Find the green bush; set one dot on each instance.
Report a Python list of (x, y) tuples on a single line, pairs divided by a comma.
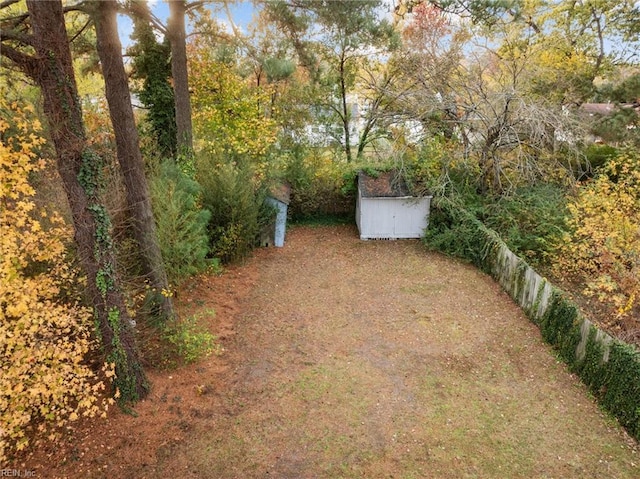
[(181, 221), (320, 185), (602, 247), (456, 232), (598, 155), (235, 205), (433, 170), (190, 340), (531, 221)]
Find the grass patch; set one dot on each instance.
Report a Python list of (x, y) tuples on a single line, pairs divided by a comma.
[(454, 383)]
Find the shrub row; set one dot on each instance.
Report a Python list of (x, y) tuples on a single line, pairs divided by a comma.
[(608, 366)]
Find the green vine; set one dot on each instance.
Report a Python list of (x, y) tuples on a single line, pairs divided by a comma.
[(66, 86), (186, 163), (96, 326), (103, 227), (90, 175), (90, 178), (104, 279), (560, 326), (125, 382)]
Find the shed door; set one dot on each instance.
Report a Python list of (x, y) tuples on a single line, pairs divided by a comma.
[(406, 215), (385, 219), (377, 218), (393, 218), (411, 218)]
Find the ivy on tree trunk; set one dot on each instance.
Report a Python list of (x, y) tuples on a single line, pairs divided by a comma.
[(51, 68)]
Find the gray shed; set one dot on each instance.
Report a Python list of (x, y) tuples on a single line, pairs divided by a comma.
[(273, 234), (385, 209)]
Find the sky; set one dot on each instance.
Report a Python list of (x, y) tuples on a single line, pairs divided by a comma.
[(242, 12)]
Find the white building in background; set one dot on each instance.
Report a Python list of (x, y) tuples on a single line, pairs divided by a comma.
[(327, 130)]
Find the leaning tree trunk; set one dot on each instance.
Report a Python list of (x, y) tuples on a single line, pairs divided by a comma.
[(179, 72), (128, 152), (346, 116), (80, 171)]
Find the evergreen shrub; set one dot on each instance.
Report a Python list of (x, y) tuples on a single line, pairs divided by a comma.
[(456, 232), (181, 222), (235, 203), (531, 221), (598, 155)]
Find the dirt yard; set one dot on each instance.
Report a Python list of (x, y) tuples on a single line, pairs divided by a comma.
[(352, 359)]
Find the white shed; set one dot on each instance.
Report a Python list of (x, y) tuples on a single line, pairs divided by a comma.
[(386, 210), (273, 233)]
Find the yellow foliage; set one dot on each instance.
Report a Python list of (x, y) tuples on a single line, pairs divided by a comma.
[(230, 117), (44, 382), (603, 249)]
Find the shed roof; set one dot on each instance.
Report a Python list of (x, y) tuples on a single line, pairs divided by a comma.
[(389, 184), (281, 192)]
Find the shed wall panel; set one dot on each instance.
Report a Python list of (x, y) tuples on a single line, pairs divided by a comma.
[(392, 217), (280, 221)]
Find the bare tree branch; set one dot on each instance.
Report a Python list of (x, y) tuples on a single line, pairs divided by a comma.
[(146, 14), (193, 5), (15, 21), (7, 3), (26, 62), (14, 35), (84, 27)]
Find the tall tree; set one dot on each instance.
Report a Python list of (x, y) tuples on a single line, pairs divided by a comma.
[(578, 39), (350, 31), (128, 152), (375, 82), (50, 66), (177, 37), (428, 66)]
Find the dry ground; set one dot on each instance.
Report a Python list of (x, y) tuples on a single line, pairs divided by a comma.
[(352, 359)]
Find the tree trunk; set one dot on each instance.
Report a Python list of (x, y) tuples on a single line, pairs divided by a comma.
[(346, 116), (128, 152), (364, 137), (79, 170), (177, 37)]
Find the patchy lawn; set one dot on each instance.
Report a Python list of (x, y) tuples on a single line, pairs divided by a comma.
[(352, 359)]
